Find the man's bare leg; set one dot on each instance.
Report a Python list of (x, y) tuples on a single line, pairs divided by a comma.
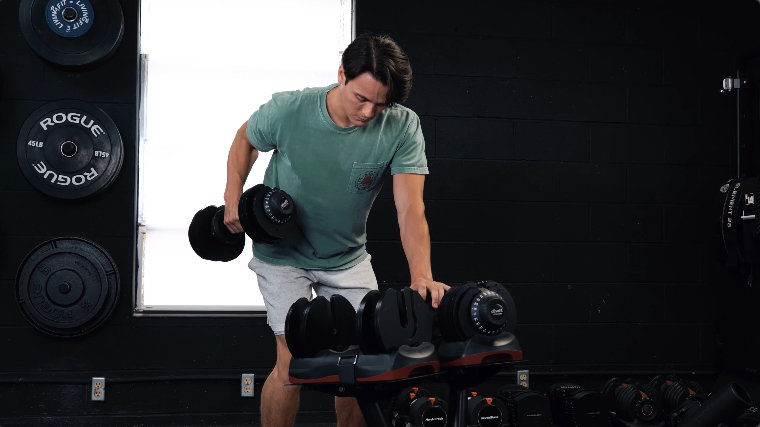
[(279, 403), (349, 414)]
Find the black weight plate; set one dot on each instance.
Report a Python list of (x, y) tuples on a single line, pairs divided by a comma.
[(114, 175), (69, 149), (67, 286), (327, 324), (365, 323), (451, 315), (112, 275), (316, 326), (245, 212), (205, 244), (200, 234), (277, 231), (511, 309), (445, 319), (248, 217), (84, 40), (608, 390), (465, 325), (391, 320), (293, 322), (261, 222), (402, 318), (344, 322)]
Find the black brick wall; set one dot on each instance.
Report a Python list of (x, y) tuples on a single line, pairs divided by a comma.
[(575, 148)]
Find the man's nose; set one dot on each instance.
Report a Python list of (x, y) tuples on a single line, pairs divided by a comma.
[(369, 111)]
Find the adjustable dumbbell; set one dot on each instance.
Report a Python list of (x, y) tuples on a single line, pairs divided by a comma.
[(573, 405), (674, 392), (319, 324), (630, 401), (389, 319), (485, 411), (525, 407), (416, 407), (267, 215), (483, 308), (211, 239)]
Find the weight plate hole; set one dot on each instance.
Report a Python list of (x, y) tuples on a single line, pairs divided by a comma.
[(64, 287), (68, 149), (70, 14)]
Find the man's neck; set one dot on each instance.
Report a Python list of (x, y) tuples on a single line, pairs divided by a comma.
[(335, 108)]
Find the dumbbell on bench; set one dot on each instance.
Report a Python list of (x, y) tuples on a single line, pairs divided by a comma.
[(267, 215)]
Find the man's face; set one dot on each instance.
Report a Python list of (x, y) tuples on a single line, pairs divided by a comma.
[(363, 98)]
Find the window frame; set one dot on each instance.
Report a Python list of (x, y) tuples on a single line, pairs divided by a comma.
[(140, 309)]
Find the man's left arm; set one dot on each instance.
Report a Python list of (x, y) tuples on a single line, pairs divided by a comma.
[(415, 236)]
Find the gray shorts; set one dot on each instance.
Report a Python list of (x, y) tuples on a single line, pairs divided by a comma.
[(282, 285)]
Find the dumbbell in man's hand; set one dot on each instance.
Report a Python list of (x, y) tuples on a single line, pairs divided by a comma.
[(267, 215)]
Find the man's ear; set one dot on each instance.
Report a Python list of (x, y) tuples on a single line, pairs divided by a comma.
[(341, 76)]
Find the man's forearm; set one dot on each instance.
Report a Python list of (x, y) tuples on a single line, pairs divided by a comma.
[(415, 238), (241, 157)]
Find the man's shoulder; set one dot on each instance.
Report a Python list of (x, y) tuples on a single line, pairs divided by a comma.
[(404, 114), (398, 117), (294, 97)]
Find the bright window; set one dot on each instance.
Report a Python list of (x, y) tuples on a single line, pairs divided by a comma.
[(209, 66)]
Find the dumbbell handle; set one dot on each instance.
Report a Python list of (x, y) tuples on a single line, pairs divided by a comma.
[(218, 227)]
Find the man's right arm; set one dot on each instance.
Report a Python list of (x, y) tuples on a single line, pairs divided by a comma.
[(239, 162)]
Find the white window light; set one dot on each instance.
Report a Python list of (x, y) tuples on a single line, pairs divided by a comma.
[(211, 65)]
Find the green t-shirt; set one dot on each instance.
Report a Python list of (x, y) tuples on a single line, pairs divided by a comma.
[(332, 173)]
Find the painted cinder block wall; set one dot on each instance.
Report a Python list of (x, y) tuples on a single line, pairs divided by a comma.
[(575, 152), (574, 149)]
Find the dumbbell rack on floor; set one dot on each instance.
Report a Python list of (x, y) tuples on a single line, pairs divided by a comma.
[(462, 365)]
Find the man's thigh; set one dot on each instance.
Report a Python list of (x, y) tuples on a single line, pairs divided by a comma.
[(280, 286), (351, 283)]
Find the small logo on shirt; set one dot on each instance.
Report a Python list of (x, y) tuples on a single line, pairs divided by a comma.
[(366, 180)]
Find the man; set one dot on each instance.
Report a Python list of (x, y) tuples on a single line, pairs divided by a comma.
[(332, 146)]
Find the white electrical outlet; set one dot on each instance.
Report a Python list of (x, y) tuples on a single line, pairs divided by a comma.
[(98, 389), (523, 378), (246, 385)]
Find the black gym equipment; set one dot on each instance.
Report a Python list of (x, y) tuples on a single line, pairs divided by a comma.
[(267, 215), (674, 392), (575, 406), (397, 348), (739, 229), (525, 407), (750, 418), (211, 239), (78, 34), (387, 357), (390, 319), (67, 287), (416, 407), (633, 404), (725, 406), (476, 322), (484, 308), (320, 324), (70, 149), (485, 411)]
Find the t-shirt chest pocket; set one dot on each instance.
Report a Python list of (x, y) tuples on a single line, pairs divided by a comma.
[(365, 177)]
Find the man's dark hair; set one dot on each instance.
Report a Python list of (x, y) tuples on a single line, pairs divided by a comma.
[(384, 60)]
